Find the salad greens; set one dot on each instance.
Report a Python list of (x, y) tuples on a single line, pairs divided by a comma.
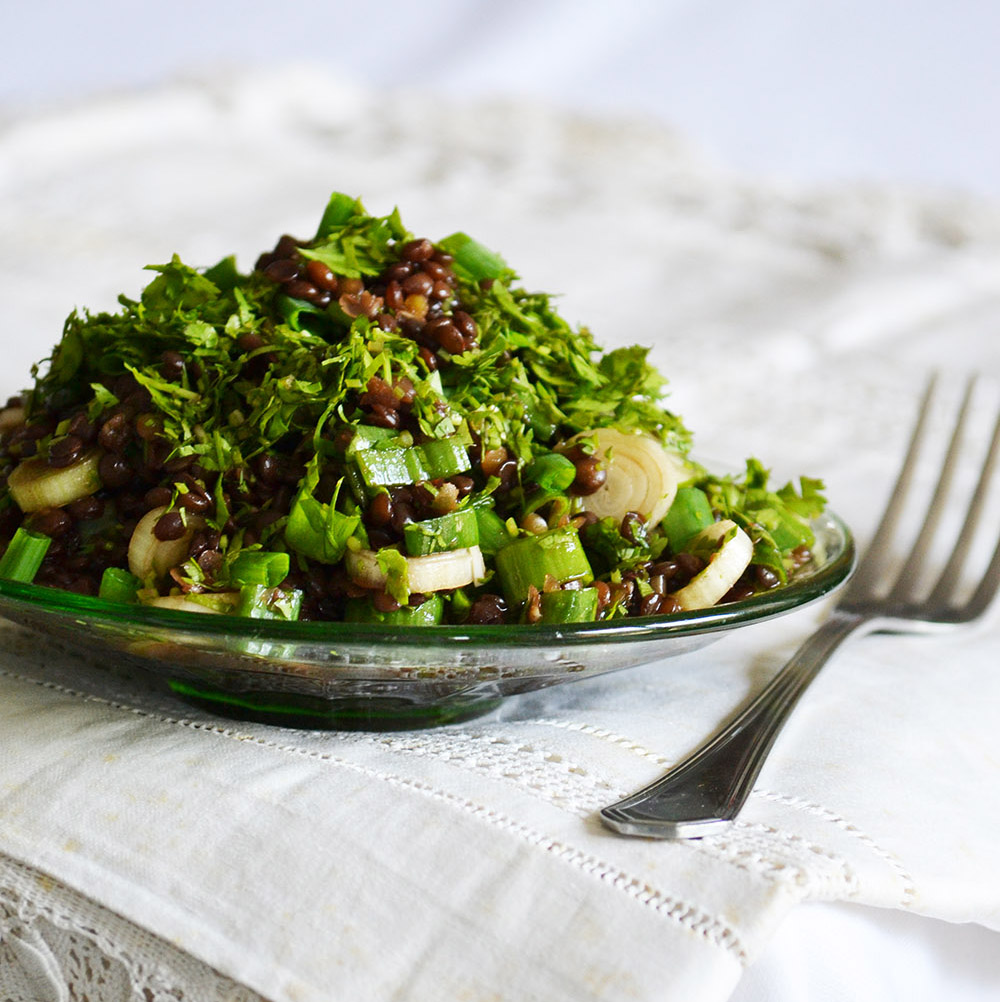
[(366, 425)]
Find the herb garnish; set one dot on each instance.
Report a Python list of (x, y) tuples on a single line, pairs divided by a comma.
[(302, 414)]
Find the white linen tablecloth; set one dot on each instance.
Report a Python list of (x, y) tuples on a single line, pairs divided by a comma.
[(147, 846)]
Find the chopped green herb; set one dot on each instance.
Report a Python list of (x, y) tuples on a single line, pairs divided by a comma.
[(362, 413)]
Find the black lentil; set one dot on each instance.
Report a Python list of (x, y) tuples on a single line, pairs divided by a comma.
[(114, 471), (65, 451), (170, 526), (488, 609)]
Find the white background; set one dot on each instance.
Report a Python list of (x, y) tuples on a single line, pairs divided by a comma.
[(808, 90)]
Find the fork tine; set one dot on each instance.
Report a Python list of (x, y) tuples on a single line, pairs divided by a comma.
[(945, 585), (873, 563), (914, 565)]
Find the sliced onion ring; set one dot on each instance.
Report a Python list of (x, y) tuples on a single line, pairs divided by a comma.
[(725, 565), (35, 485), (433, 572), (152, 557), (642, 476)]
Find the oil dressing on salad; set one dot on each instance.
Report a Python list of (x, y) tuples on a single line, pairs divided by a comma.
[(373, 427)]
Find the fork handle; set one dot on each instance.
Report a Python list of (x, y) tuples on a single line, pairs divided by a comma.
[(703, 793)]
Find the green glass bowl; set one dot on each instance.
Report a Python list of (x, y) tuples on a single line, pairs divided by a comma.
[(368, 676)]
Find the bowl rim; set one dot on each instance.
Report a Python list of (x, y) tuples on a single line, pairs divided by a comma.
[(810, 587)]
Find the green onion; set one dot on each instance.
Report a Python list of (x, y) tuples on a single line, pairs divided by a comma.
[(366, 436), (428, 613), (303, 316), (393, 466), (118, 585), (258, 567), (262, 602), (443, 457), (453, 531), (574, 606), (459, 604), (388, 467), (528, 561), (493, 533), (552, 472), (24, 556), (472, 259), (687, 516)]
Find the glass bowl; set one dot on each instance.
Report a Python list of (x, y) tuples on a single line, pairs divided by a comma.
[(366, 676)]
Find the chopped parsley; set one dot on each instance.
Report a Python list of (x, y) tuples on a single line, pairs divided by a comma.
[(346, 386)]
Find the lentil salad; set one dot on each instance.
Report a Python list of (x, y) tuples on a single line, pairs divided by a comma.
[(375, 427)]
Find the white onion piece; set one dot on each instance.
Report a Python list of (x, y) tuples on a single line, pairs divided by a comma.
[(180, 603), (433, 572), (725, 565), (642, 476), (152, 557), (35, 485)]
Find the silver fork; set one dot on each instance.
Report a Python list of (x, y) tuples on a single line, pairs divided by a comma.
[(704, 793)]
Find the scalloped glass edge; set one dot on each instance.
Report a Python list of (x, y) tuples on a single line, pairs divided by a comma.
[(813, 584)]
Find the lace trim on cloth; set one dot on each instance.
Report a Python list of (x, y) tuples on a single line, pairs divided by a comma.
[(56, 946)]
